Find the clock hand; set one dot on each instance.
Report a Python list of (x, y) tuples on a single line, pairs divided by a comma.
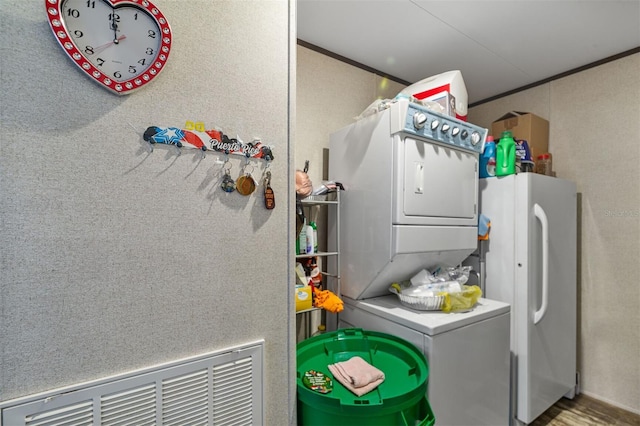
[(104, 46), (114, 26)]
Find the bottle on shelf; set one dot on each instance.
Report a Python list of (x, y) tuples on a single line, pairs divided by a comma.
[(506, 155), (302, 239), (314, 232), (310, 241)]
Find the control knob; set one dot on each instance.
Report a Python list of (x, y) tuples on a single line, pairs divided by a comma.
[(419, 120), (475, 138), (455, 131), (445, 128), (464, 134), (434, 124)]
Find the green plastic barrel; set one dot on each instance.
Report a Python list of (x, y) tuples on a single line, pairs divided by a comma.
[(399, 400)]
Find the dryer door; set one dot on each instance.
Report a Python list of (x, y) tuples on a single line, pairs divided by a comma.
[(435, 184)]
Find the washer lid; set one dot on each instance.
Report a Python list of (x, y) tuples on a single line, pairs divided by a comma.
[(430, 323)]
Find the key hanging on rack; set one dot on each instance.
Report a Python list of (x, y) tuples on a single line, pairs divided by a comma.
[(228, 184), (269, 196), (245, 184)]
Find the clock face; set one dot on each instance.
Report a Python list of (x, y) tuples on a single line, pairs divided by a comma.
[(121, 44)]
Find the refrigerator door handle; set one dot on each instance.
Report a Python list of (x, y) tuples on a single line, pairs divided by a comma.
[(542, 217)]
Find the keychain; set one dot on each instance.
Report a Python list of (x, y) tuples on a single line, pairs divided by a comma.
[(269, 196), (228, 185), (245, 183)]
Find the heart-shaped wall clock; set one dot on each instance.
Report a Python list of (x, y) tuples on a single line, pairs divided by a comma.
[(121, 44)]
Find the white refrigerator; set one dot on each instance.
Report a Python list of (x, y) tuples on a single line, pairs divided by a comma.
[(531, 264)]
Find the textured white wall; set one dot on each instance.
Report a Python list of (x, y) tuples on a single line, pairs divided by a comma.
[(330, 94), (114, 258), (594, 119)]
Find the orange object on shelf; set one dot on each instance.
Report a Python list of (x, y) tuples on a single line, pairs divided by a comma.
[(326, 299)]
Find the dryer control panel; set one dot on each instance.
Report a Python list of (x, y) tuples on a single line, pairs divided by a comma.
[(443, 129)]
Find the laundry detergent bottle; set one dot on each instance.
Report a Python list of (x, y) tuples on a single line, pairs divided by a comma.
[(488, 159), (506, 155)]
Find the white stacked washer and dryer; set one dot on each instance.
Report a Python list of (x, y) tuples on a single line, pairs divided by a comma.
[(411, 202)]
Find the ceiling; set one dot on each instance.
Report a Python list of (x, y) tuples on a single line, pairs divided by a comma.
[(499, 46)]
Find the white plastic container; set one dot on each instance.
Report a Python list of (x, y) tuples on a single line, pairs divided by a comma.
[(302, 239), (310, 240), (437, 88)]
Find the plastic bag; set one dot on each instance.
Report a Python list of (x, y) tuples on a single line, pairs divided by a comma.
[(375, 107), (442, 273), (461, 301), (326, 187), (425, 290), (440, 290)]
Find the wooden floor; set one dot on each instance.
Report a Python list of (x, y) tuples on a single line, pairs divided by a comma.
[(586, 411)]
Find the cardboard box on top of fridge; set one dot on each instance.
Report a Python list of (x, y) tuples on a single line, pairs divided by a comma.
[(526, 126), (446, 89)]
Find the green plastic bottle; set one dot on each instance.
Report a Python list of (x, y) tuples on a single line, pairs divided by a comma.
[(314, 227), (506, 155)]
